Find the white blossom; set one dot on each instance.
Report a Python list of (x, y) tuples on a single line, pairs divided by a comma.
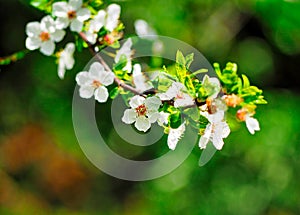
[(143, 112), (109, 20), (174, 136), (139, 79), (94, 82), (176, 92), (125, 51), (145, 31), (66, 60), (71, 13), (252, 124), (43, 35), (215, 131), (142, 29)]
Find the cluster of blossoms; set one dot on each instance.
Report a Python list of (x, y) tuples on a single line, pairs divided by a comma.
[(102, 28), (167, 97)]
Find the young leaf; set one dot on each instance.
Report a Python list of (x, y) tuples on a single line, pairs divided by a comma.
[(180, 58), (114, 93), (175, 119), (188, 60), (245, 81)]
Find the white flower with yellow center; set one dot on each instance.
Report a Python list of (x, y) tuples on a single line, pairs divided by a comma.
[(143, 112), (43, 35), (70, 13), (176, 92), (66, 60), (109, 20), (94, 82), (215, 131)]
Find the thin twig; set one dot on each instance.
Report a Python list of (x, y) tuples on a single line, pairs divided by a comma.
[(119, 82)]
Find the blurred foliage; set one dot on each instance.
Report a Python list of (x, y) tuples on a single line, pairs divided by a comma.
[(43, 170)]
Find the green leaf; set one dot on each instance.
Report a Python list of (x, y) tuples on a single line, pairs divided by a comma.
[(43, 5), (114, 93), (199, 71), (188, 60), (189, 85), (180, 58), (115, 45), (175, 119), (122, 63), (245, 81)]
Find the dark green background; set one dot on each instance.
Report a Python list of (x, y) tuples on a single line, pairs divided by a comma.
[(43, 170)]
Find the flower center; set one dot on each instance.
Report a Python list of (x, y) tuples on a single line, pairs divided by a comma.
[(141, 110), (96, 84), (44, 36), (233, 100), (179, 96), (109, 39), (72, 14), (241, 114)]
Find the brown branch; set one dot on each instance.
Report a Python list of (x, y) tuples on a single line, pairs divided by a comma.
[(119, 82)]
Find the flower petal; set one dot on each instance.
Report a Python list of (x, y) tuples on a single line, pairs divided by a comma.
[(60, 9), (76, 25), (185, 101), (61, 69), (113, 14), (98, 22), (153, 116), (83, 79), (32, 43), (83, 14), (129, 116), (48, 24), (226, 130), (124, 50), (33, 29), (163, 118), (136, 101), (174, 90), (252, 124), (47, 48), (143, 29), (139, 79), (205, 137), (218, 142), (106, 78), (91, 37), (175, 135), (75, 4), (58, 35), (62, 22), (95, 70), (68, 55), (153, 103), (142, 124), (86, 92), (101, 94)]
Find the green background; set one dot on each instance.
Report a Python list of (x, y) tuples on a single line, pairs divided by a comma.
[(44, 171)]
